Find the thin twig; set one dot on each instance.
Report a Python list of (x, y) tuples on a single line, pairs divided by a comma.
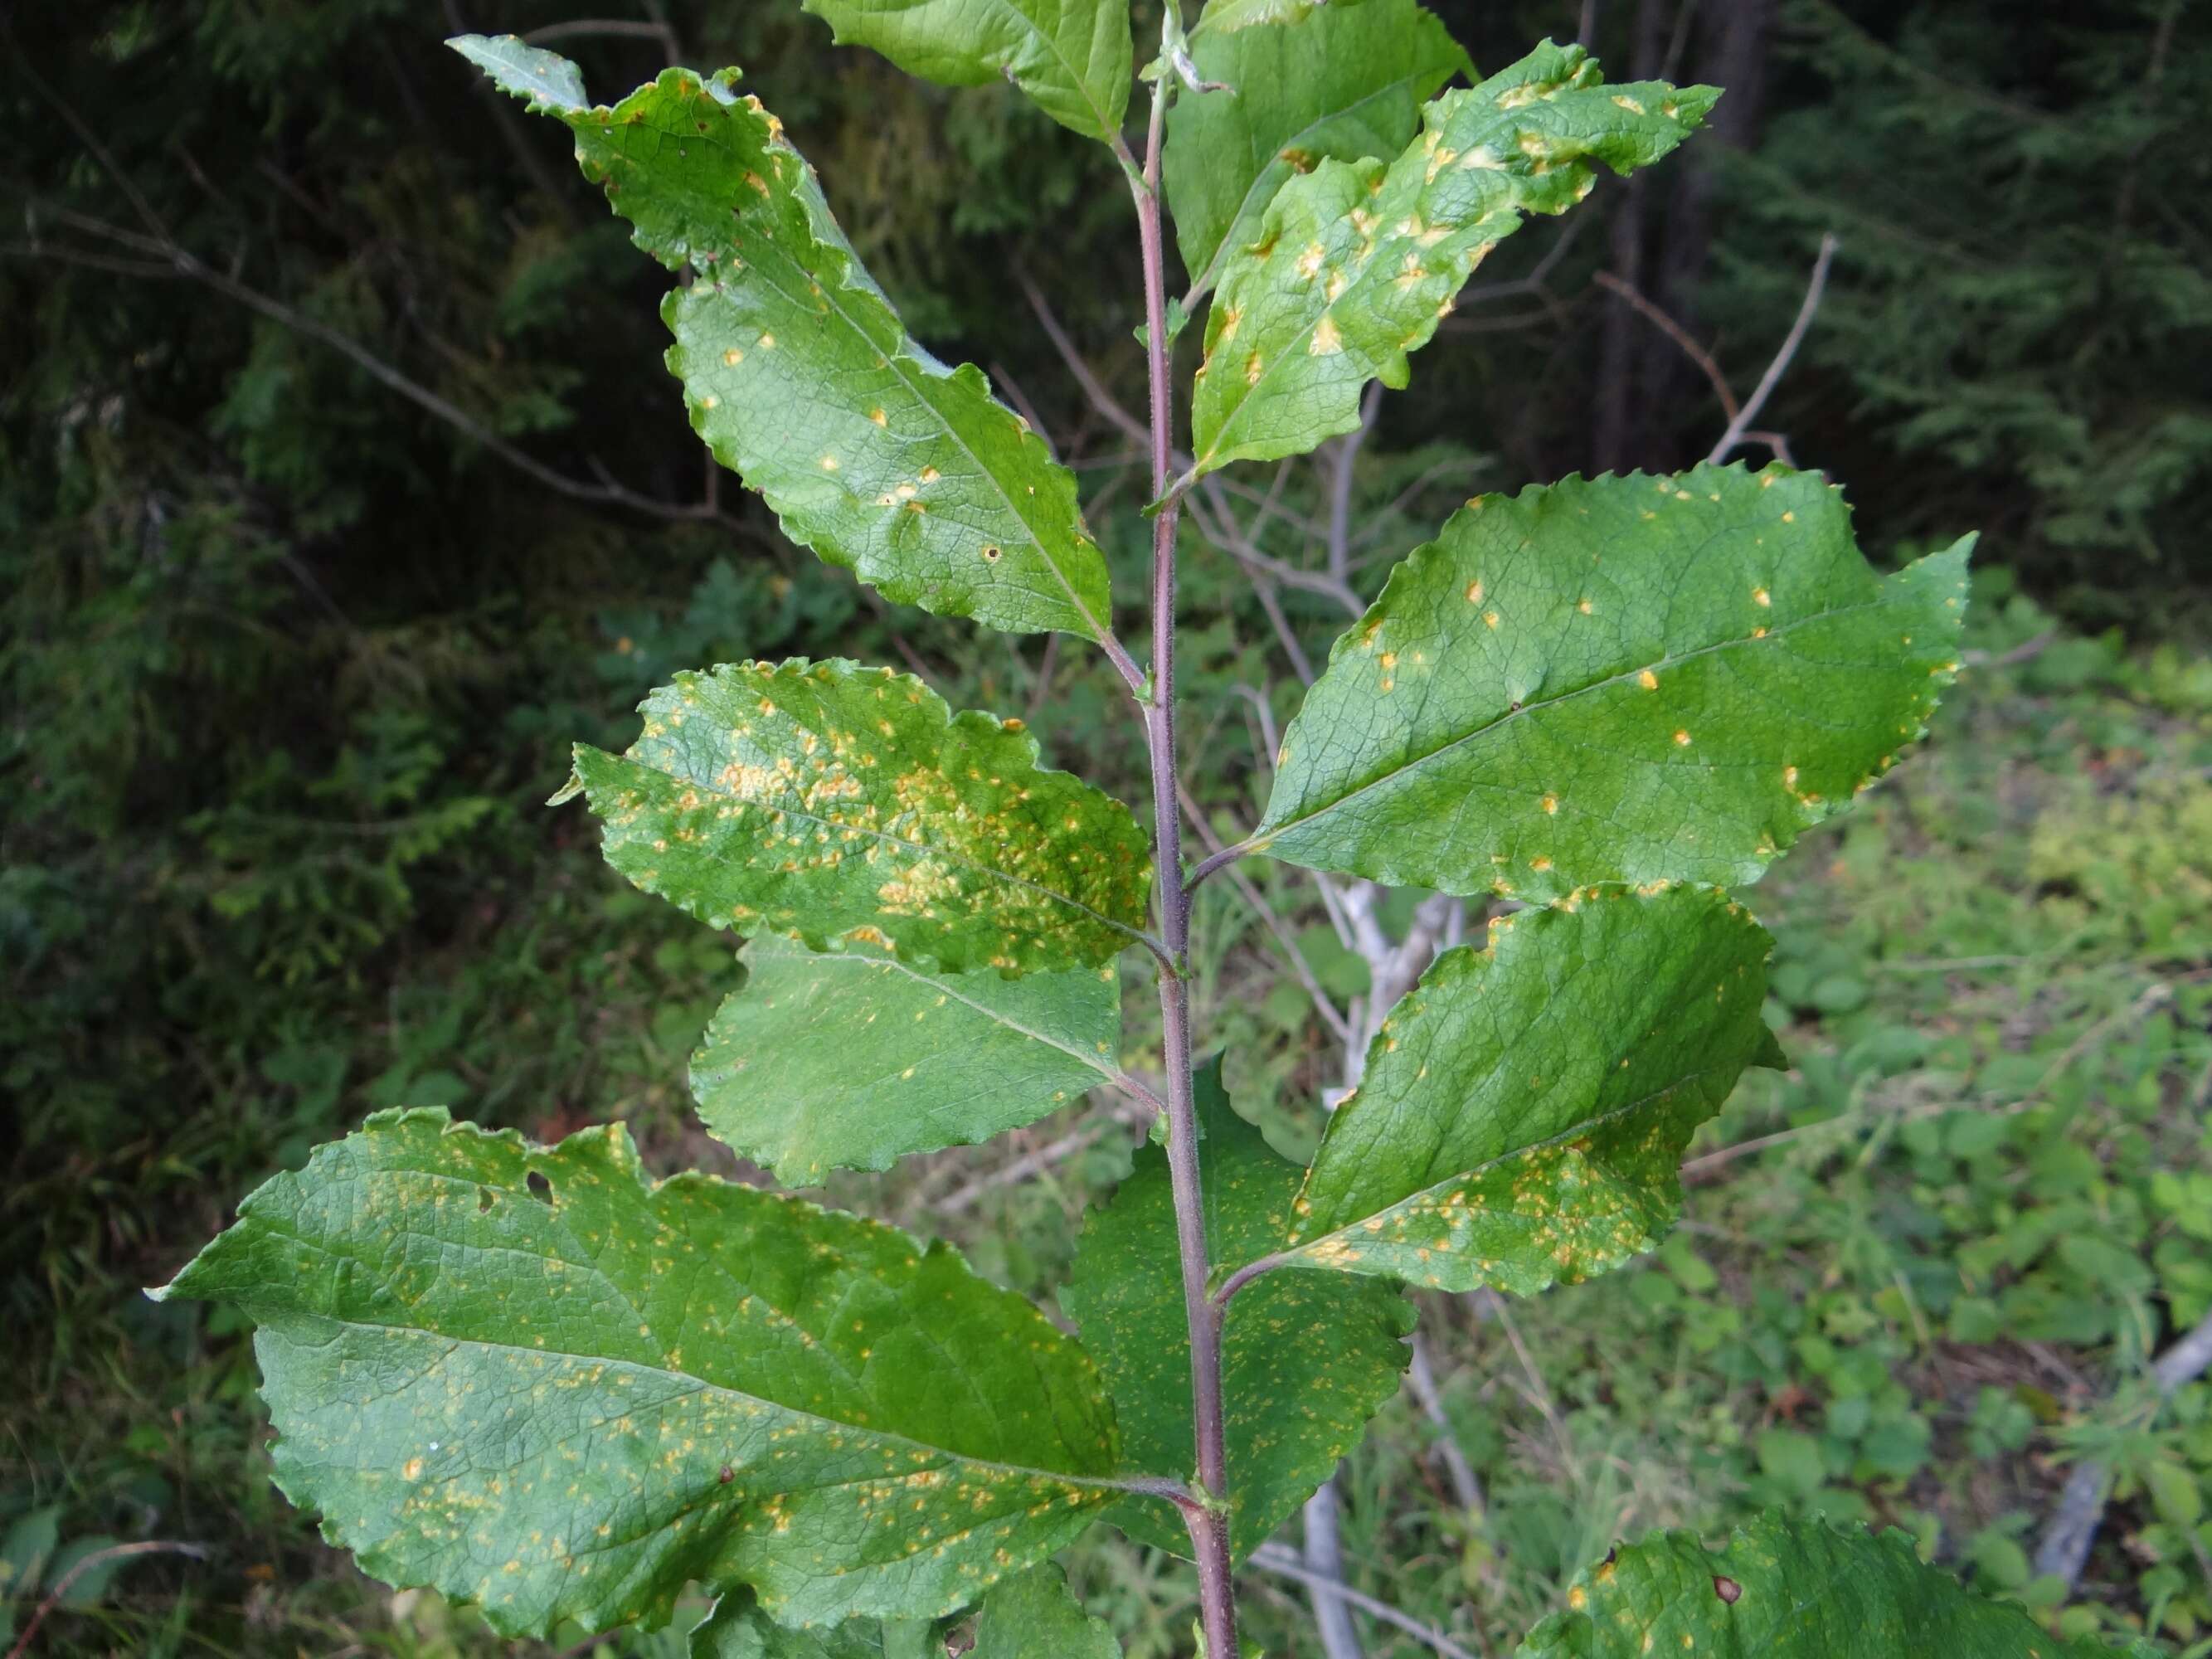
[(1421, 1378), (607, 26), (1752, 405), (1276, 1559), (1135, 1110), (1680, 336), (85, 1564)]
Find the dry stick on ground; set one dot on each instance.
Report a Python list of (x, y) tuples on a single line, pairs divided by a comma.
[(85, 1564), (2073, 1526), (1276, 1557), (1421, 1376)]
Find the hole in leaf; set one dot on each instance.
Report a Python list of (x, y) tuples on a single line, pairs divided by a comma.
[(483, 1200), (540, 1188), (1728, 1589)]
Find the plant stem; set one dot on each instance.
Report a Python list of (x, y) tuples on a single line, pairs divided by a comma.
[(1208, 1520)]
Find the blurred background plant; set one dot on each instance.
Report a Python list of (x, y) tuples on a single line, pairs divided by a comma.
[(340, 488)]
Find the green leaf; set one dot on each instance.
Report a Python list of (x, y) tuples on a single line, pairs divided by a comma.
[(738, 1629), (1295, 1403), (1347, 83), (548, 83), (919, 1061), (535, 1381), (1225, 16), (1789, 1589), (1026, 1616), (837, 804), (799, 376), (1524, 1108), (1357, 261), (1071, 57), (1032, 1616), (1614, 679)]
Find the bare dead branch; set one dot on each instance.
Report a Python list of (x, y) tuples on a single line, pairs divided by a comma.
[(1276, 1559), (1743, 417), (1323, 1559), (1680, 336)]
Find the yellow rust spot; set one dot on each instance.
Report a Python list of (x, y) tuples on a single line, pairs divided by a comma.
[(1327, 342), (1490, 618), (733, 356), (879, 417), (1648, 680), (414, 1469), (1682, 740), (1552, 803), (1759, 596), (1474, 593)]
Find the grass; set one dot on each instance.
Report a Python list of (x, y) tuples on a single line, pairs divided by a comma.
[(1914, 1272)]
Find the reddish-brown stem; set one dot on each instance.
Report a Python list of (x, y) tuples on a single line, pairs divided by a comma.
[(1208, 1519)]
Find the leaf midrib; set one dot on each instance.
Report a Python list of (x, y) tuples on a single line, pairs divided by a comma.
[(888, 840), (699, 1384), (936, 981), (910, 374), (1269, 831), (901, 362), (1074, 74), (1207, 279), (1582, 1127), (1374, 262)]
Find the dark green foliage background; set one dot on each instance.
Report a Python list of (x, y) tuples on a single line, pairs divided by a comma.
[(287, 664)]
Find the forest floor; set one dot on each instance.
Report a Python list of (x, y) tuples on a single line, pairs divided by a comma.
[(1916, 1275)]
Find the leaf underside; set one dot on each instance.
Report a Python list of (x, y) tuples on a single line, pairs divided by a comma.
[(1307, 1358), (1030, 1615), (1523, 1111), (854, 1060), (1358, 261), (1345, 83), (800, 378), (1614, 679), (834, 803), (529, 1378), (1781, 1589), (1071, 57)]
